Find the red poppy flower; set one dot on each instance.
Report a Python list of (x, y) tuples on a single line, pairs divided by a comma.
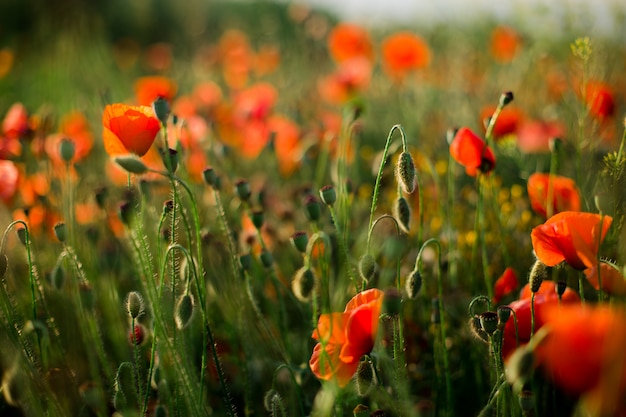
[(545, 297), (612, 279), (148, 89), (573, 237), (15, 123), (535, 136), (129, 129), (351, 77), (347, 41), (404, 52), (507, 123), (583, 353), (286, 143), (565, 195), (505, 285), (345, 337), (599, 99), (470, 151), (505, 43), (9, 178)]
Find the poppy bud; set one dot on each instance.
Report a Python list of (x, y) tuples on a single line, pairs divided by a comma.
[(413, 284), (274, 403), (210, 177), (367, 266), (242, 188), (60, 231), (504, 313), (67, 149), (137, 335), (303, 284), (300, 241), (402, 213), (257, 218), (184, 311), (266, 259), (57, 277), (538, 273), (124, 381), (119, 401), (405, 173), (506, 98), (161, 109), (126, 212), (131, 164), (489, 322), (328, 195), (135, 307), (245, 261), (22, 235), (365, 376), (170, 159), (312, 207), (477, 329), (4, 264)]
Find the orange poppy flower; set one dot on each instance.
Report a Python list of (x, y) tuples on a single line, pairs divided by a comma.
[(570, 236), (16, 123), (347, 41), (535, 136), (286, 143), (471, 151), (236, 58), (599, 99), (9, 179), (345, 337), (404, 52), (148, 89), (9, 147), (565, 196), (505, 285), (507, 123), (505, 43), (545, 297), (266, 60), (352, 77), (583, 353), (75, 127), (128, 129)]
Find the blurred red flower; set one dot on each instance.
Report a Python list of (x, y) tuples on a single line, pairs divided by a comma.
[(404, 52), (505, 44), (128, 129), (9, 179), (508, 121), (16, 123), (583, 352), (535, 136), (565, 196), (74, 127), (471, 151), (286, 136), (345, 337), (570, 236), (148, 89), (352, 76), (612, 279), (347, 41), (599, 99), (545, 297), (505, 285)]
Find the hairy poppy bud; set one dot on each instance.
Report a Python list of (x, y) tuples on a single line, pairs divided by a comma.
[(477, 329), (504, 313), (538, 273), (22, 235), (124, 383), (365, 376), (131, 164), (402, 213), (406, 173), (413, 284), (184, 311), (137, 335), (135, 305), (367, 266), (303, 284)]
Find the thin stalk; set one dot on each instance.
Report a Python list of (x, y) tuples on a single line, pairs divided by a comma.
[(343, 246)]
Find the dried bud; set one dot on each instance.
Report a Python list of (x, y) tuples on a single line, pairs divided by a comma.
[(303, 284), (300, 241), (184, 311), (328, 195), (135, 307), (367, 266), (242, 187), (406, 173), (365, 376), (60, 231), (67, 149), (538, 273), (413, 284), (131, 164), (161, 109), (402, 213)]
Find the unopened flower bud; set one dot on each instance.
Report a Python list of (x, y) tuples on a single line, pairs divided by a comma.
[(170, 159), (303, 284), (300, 241), (406, 173), (538, 273), (67, 149), (477, 329), (135, 305), (328, 195), (124, 381), (506, 98), (184, 311), (402, 213), (131, 164), (60, 231), (365, 376), (22, 235), (161, 109), (413, 284), (367, 266)]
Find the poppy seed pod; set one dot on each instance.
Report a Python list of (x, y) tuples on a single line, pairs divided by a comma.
[(402, 213), (303, 284), (170, 159), (367, 266), (210, 177), (312, 207), (300, 241), (258, 218), (365, 377), (245, 261), (267, 260), (406, 173), (67, 150), (60, 231), (489, 322), (242, 187), (328, 195), (538, 273)]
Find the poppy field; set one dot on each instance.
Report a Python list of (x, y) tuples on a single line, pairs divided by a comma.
[(245, 209)]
